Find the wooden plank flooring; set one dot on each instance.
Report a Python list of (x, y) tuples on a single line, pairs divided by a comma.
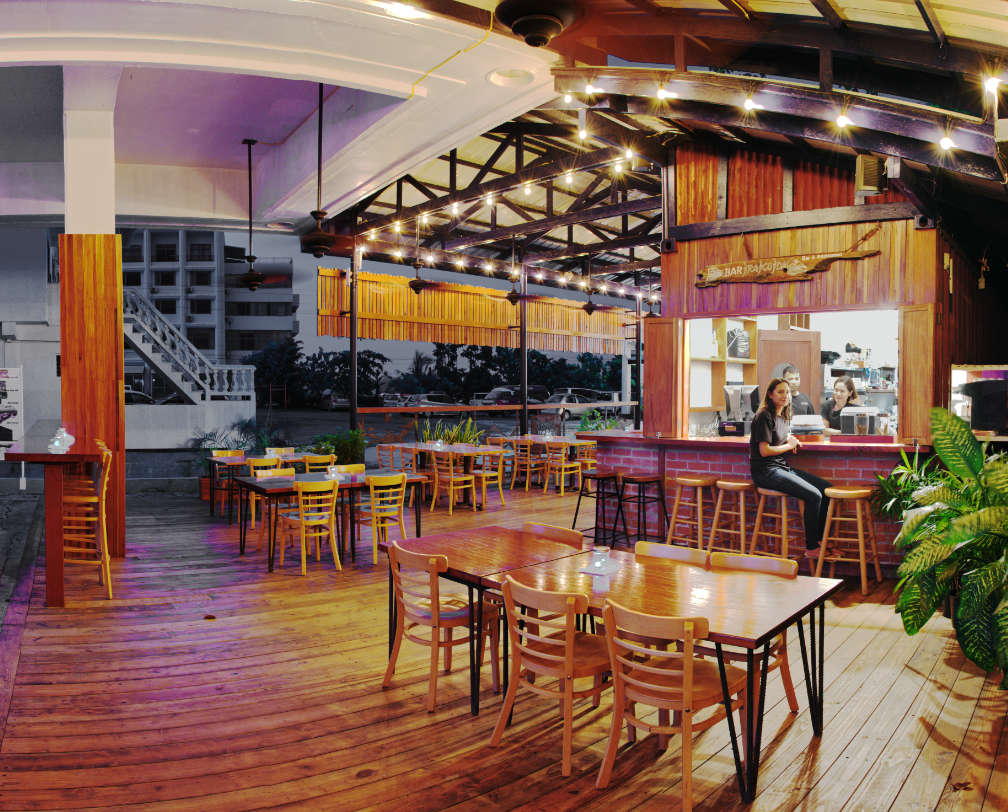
[(208, 684)]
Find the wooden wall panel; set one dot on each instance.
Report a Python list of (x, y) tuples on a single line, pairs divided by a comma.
[(696, 184), (917, 371), (969, 333), (755, 184), (821, 187), (91, 358), (464, 314), (666, 377), (903, 272)]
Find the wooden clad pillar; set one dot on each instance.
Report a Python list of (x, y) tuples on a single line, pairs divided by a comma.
[(666, 377), (91, 353), (917, 374)]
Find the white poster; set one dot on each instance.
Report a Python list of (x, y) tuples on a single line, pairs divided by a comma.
[(11, 406)]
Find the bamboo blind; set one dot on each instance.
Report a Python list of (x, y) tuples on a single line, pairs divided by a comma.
[(462, 314)]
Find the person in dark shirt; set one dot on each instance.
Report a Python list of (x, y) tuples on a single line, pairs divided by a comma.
[(844, 394), (770, 442), (800, 404)]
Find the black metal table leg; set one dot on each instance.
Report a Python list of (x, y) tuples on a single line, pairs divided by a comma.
[(417, 498), (475, 618), (814, 665), (352, 499), (242, 521), (271, 517), (213, 486), (747, 772)]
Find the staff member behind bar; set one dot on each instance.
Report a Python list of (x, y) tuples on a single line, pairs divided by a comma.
[(770, 441), (844, 394), (800, 404)]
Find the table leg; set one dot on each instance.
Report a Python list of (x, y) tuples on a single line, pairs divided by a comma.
[(231, 491), (242, 521), (391, 610), (54, 535), (352, 498), (814, 665), (475, 634), (271, 517), (417, 499), (747, 772), (213, 487)]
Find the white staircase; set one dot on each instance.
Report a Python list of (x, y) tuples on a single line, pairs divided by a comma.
[(162, 345)]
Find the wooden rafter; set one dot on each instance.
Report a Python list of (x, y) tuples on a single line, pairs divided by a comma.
[(931, 21), (830, 13)]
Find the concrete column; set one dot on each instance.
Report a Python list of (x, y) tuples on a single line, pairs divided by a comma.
[(89, 96)]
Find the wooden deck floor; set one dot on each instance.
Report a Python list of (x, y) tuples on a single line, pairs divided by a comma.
[(209, 685)]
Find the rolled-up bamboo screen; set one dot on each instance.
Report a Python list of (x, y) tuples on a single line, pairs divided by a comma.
[(462, 314)]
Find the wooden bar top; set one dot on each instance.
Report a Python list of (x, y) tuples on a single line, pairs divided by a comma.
[(826, 445), (37, 450)]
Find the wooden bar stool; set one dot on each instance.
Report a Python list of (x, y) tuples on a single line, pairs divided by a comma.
[(694, 515), (848, 505), (737, 535), (640, 498), (779, 531), (606, 491)]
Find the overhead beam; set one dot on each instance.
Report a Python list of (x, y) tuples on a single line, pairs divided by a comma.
[(829, 13), (931, 21), (738, 9), (907, 183)]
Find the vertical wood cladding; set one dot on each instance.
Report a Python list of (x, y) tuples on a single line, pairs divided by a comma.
[(755, 184), (822, 187), (91, 358), (696, 184)]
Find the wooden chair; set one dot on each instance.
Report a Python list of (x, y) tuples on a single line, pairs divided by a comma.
[(508, 456), (668, 677), (687, 555), (268, 473), (318, 463), (389, 457), (279, 450), (420, 604), (771, 565), (489, 470), (314, 519), (223, 480), (526, 462), (572, 538), (350, 468), (546, 645), (85, 525), (384, 508), (255, 466), (560, 465), (587, 455), (447, 476)]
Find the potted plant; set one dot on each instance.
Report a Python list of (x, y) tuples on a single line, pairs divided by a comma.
[(348, 446), (956, 544)]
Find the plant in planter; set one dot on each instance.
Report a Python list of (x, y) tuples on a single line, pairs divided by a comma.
[(348, 446), (464, 431), (893, 495), (594, 420), (956, 543)]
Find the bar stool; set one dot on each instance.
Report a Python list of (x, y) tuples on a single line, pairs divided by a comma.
[(691, 518), (739, 488), (603, 479), (855, 500), (641, 499), (779, 531)]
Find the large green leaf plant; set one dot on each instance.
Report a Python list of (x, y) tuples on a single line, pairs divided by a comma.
[(956, 542)]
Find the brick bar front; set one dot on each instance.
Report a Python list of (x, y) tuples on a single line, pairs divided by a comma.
[(839, 461)]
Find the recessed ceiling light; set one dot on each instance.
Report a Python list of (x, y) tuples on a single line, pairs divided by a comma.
[(404, 11), (842, 121)]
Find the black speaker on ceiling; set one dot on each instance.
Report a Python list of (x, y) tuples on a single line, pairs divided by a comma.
[(535, 21)]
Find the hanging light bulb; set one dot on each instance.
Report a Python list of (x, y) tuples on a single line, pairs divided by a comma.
[(603, 288), (487, 267), (583, 283), (569, 178), (842, 121), (539, 276), (751, 104), (638, 294), (369, 236), (666, 94), (628, 154), (397, 253), (396, 227), (514, 272), (991, 84), (618, 167), (460, 263), (567, 98), (621, 290), (946, 143), (582, 133), (590, 89), (489, 200), (528, 189), (424, 217), (454, 208), (430, 259)]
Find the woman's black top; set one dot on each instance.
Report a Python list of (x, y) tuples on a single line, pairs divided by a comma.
[(831, 414), (767, 428)]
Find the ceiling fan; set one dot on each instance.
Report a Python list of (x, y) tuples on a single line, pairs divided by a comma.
[(251, 279), (318, 242), (590, 307)]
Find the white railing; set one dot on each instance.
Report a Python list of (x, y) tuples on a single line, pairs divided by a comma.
[(206, 381)]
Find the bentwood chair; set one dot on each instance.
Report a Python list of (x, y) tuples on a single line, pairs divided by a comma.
[(561, 466), (384, 509), (268, 464), (270, 473), (421, 604), (448, 474), (85, 525), (668, 677), (314, 519), (526, 463), (770, 565), (546, 645), (489, 470), (318, 463)]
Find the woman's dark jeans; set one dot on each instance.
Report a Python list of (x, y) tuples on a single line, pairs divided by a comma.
[(806, 487)]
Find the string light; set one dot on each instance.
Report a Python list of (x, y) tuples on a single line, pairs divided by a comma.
[(567, 98), (454, 209), (430, 259), (621, 290), (487, 267), (590, 89), (528, 189), (460, 263), (946, 143), (424, 218), (539, 276), (397, 253), (751, 104), (842, 121), (583, 283), (666, 94), (629, 154), (397, 228), (569, 178), (370, 235), (582, 133), (489, 200), (618, 166), (638, 294), (991, 84)]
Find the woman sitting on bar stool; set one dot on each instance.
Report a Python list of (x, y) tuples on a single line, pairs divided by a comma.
[(770, 440)]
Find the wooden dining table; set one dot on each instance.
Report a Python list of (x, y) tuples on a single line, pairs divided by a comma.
[(272, 489), (746, 610), (468, 451)]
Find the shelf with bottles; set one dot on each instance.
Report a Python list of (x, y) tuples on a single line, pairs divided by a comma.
[(712, 367)]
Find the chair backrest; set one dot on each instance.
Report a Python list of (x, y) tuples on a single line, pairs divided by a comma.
[(416, 585), (556, 452), (503, 442), (444, 463), (491, 463), (227, 452), (586, 451), (103, 480), (266, 473), (263, 465), (543, 637), (279, 450), (350, 468), (784, 567), (316, 501), (318, 462), (687, 555), (659, 677), (387, 456), (572, 538), (523, 449), (387, 494)]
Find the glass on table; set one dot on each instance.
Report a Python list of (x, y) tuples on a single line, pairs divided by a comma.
[(600, 557)]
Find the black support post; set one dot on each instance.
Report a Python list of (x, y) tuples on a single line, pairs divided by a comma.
[(354, 265)]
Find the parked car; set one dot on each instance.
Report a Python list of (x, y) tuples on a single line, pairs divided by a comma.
[(568, 404), (427, 399), (136, 397), (478, 399), (510, 395)]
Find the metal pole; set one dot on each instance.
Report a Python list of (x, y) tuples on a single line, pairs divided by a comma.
[(637, 370), (523, 344), (354, 264)]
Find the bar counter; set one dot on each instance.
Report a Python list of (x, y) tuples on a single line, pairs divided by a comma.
[(841, 461)]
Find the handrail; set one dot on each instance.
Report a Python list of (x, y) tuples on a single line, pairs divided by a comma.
[(209, 380), (510, 407)]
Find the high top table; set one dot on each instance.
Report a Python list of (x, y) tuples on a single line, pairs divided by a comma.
[(55, 467)]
